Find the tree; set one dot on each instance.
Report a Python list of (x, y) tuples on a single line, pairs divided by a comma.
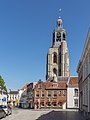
[(2, 84)]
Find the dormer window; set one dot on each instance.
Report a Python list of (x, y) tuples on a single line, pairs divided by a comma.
[(39, 85)]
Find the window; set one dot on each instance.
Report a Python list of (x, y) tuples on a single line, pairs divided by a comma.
[(76, 92), (48, 104), (49, 93), (55, 94), (53, 37), (39, 85), (64, 36), (60, 93), (76, 102), (55, 71), (42, 104), (37, 93), (54, 104), (55, 58), (54, 85), (42, 93), (58, 36), (60, 104), (64, 93)]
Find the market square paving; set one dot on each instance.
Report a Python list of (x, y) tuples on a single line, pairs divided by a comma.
[(27, 114)]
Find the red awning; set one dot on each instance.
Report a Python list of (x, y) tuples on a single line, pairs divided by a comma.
[(61, 101), (36, 100), (48, 100), (42, 100), (54, 100)]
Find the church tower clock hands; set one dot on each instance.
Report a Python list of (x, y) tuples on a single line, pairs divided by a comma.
[(58, 56)]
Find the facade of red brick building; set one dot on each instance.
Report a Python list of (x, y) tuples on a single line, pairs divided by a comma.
[(50, 95)]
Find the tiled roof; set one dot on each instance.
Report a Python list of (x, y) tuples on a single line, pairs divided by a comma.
[(73, 81), (62, 78), (56, 85), (59, 78), (24, 87)]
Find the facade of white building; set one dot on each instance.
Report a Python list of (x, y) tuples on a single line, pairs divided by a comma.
[(13, 98), (23, 102), (73, 93), (84, 76)]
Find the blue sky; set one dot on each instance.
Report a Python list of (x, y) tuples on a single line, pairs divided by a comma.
[(26, 28)]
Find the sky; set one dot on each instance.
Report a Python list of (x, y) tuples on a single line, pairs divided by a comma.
[(26, 28)]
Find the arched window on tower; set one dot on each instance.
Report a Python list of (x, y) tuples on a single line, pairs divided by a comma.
[(55, 58), (55, 71)]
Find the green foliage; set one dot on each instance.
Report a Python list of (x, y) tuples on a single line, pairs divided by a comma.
[(2, 84), (24, 96)]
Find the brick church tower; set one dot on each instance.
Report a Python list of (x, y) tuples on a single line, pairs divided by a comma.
[(58, 55)]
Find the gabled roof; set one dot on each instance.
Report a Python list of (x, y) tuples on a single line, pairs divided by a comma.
[(56, 85), (13, 92)]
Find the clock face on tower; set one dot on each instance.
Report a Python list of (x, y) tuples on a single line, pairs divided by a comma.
[(58, 36)]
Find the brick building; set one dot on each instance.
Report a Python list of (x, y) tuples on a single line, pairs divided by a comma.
[(50, 94)]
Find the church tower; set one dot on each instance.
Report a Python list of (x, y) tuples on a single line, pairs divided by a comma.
[(58, 56)]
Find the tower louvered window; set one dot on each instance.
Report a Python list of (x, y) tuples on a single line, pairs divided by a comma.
[(55, 58)]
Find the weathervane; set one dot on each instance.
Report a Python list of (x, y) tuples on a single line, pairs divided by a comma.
[(59, 12)]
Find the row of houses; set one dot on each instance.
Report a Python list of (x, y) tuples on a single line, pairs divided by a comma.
[(49, 94)]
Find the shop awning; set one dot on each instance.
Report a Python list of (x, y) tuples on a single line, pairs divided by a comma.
[(61, 101), (54, 100), (42, 100), (36, 100), (48, 100)]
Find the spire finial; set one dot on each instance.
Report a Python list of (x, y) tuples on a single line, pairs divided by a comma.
[(60, 12)]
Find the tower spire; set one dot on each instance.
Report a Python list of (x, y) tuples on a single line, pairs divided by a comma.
[(59, 21), (60, 12)]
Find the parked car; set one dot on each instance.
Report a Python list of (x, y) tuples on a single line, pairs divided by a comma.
[(7, 109), (2, 113)]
